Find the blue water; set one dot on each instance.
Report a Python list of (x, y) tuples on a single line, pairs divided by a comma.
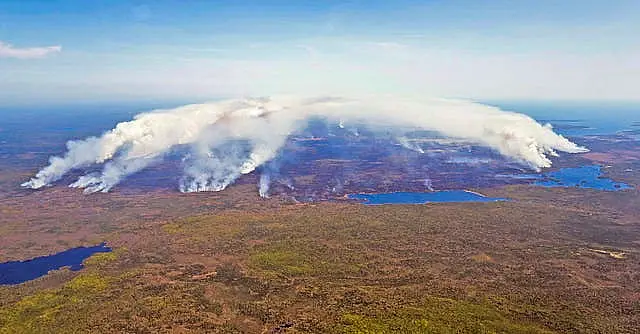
[(577, 119), (16, 272), (447, 196), (588, 177)]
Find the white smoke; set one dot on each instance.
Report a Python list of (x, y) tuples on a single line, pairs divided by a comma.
[(234, 137), (428, 184), (410, 145), (206, 169), (263, 184)]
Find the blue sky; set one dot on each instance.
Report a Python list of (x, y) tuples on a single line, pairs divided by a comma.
[(60, 51)]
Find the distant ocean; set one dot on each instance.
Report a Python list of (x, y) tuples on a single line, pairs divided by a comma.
[(580, 118), (56, 125)]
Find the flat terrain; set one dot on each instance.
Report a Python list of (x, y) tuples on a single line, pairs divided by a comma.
[(550, 260)]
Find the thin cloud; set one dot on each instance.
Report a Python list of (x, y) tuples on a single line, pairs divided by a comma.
[(9, 51), (312, 52), (388, 45)]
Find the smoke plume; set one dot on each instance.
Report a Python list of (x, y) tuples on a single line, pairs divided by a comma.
[(230, 138), (263, 185), (408, 144)]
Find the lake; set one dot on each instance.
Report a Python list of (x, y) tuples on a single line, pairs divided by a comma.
[(16, 272), (445, 196), (588, 177)]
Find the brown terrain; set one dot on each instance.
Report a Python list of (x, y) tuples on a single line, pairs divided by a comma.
[(551, 260)]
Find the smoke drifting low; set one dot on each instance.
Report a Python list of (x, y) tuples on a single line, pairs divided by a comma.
[(230, 138)]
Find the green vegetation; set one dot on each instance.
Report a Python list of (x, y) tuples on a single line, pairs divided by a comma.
[(86, 284), (283, 260), (251, 267), (42, 312), (102, 259), (438, 315), (301, 258)]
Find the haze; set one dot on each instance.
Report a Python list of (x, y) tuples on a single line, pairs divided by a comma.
[(166, 50)]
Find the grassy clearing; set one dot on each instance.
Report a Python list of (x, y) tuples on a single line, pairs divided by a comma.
[(303, 258), (54, 311), (437, 315)]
